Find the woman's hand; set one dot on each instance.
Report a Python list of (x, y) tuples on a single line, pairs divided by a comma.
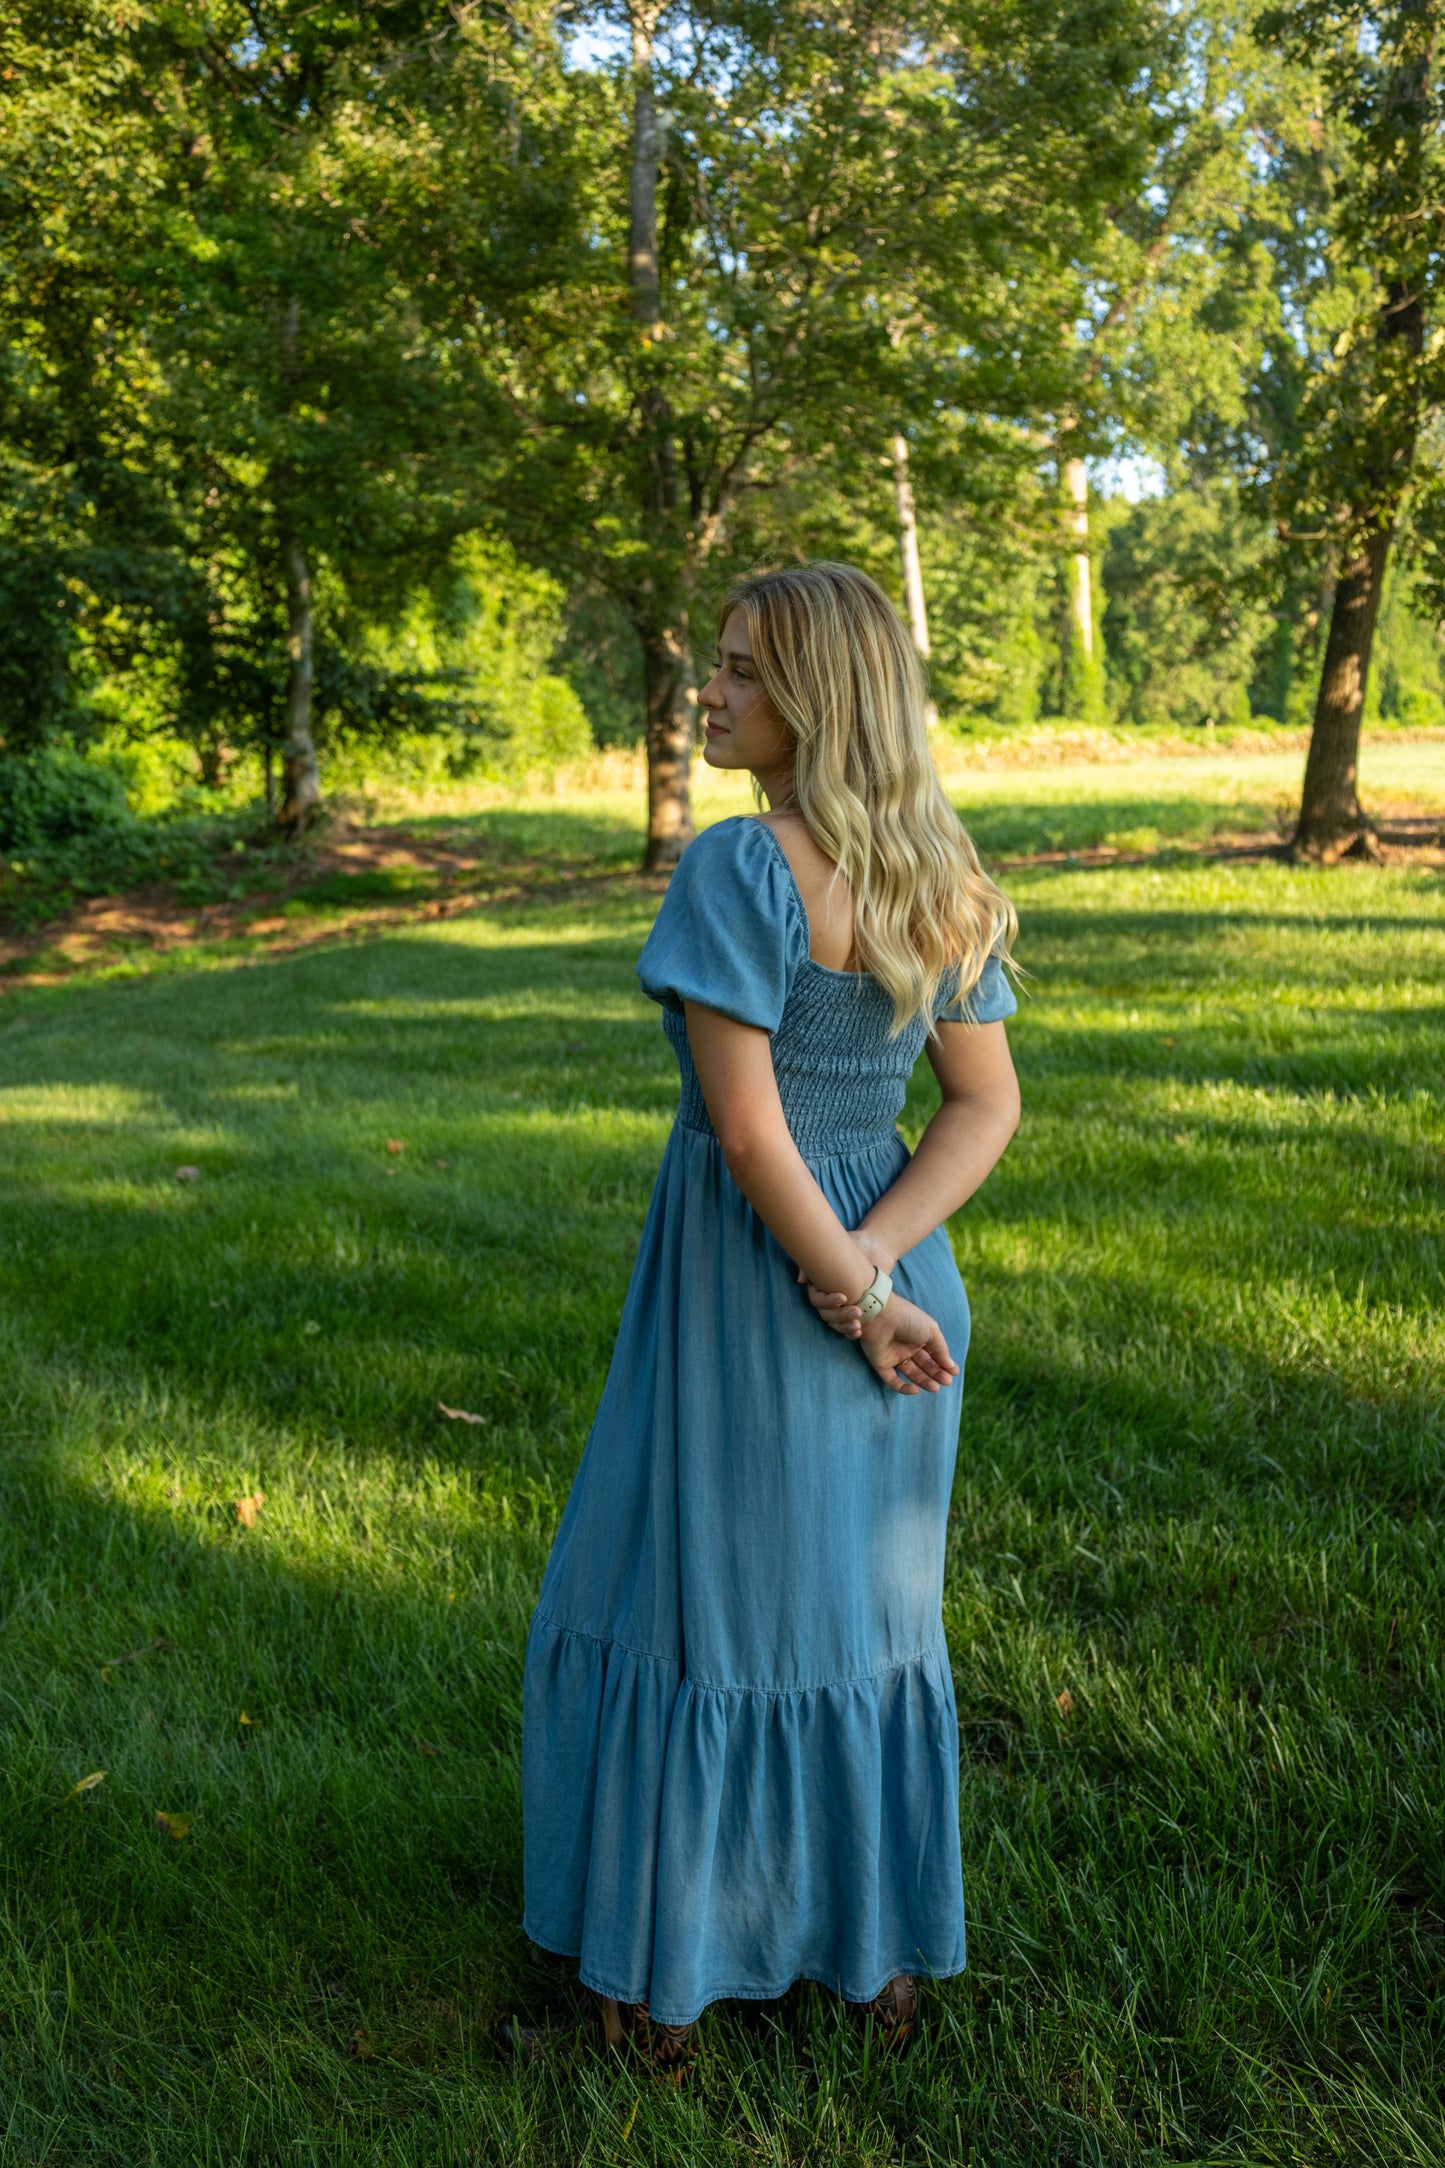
[(904, 1346), (906, 1349)]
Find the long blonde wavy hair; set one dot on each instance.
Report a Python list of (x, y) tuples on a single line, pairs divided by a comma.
[(839, 669)]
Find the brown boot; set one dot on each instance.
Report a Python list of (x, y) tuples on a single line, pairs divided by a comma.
[(669, 2048), (894, 2011)]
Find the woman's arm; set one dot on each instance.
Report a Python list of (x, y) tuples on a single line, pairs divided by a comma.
[(734, 1064), (956, 1153), (962, 1144)]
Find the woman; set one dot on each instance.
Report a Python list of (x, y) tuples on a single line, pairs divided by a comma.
[(740, 1751)]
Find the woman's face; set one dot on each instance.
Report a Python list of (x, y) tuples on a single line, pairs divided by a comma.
[(742, 727)]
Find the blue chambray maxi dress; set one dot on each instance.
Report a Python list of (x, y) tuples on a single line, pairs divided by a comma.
[(740, 1749)]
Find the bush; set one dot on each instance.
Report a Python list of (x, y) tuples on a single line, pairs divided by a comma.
[(55, 796), (67, 830), (459, 682)]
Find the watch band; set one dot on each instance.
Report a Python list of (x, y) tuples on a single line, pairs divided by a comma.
[(873, 1298)]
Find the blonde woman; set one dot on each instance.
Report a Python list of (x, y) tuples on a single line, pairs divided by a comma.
[(740, 1751)]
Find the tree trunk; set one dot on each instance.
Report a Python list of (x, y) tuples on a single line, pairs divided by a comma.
[(642, 269), (669, 748), (300, 769), (1081, 599), (667, 719), (912, 567), (1331, 821)]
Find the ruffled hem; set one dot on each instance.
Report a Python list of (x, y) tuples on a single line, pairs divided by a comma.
[(747, 1992), (691, 1843)]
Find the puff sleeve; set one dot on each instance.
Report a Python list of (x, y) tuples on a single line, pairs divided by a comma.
[(989, 1002), (731, 931)]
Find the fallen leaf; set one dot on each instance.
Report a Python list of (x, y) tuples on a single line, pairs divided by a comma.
[(427, 1747), (1065, 1701), (361, 2046), (252, 1722), (310, 1326), (248, 1507), (86, 1784), (395, 1144), (188, 1174), (458, 1415), (147, 1648), (441, 1162), (175, 1825)]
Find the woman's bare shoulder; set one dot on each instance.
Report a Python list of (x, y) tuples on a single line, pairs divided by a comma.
[(826, 899), (796, 838)]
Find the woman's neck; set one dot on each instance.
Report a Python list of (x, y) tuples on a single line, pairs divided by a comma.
[(776, 785)]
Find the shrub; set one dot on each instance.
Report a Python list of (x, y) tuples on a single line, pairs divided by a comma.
[(55, 796)]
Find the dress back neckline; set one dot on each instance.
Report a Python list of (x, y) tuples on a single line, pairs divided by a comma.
[(852, 977)]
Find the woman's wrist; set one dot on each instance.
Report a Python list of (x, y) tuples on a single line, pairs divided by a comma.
[(867, 1271), (874, 1248)]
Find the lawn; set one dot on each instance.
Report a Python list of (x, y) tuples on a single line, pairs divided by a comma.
[(1196, 1565)]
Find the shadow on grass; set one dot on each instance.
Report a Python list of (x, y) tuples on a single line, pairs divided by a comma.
[(1129, 822)]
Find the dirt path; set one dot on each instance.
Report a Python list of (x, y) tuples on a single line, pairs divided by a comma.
[(302, 903), (302, 900)]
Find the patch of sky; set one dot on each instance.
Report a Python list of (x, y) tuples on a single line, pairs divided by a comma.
[(597, 42), (1128, 475)]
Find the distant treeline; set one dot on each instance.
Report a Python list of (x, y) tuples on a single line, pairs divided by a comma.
[(425, 371)]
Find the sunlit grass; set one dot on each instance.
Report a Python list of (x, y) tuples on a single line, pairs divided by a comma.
[(1195, 1567)]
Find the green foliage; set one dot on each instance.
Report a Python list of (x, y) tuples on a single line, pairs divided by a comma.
[(69, 829), (81, 214), (37, 656), (53, 796), (1371, 368), (229, 347), (1407, 683), (816, 290), (358, 284), (1183, 628)]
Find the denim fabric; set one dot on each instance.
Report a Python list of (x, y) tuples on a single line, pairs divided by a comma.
[(740, 1752)]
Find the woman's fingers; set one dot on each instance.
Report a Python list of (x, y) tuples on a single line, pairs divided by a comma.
[(916, 1360), (837, 1311), (914, 1366)]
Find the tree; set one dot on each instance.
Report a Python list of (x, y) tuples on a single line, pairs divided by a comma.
[(319, 426), (83, 212), (1171, 311), (239, 426), (1349, 479), (772, 189)]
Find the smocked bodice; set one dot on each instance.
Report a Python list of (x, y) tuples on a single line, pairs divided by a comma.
[(732, 935), (842, 1076)]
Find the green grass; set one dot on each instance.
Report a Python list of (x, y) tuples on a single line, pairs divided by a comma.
[(1199, 1498)]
